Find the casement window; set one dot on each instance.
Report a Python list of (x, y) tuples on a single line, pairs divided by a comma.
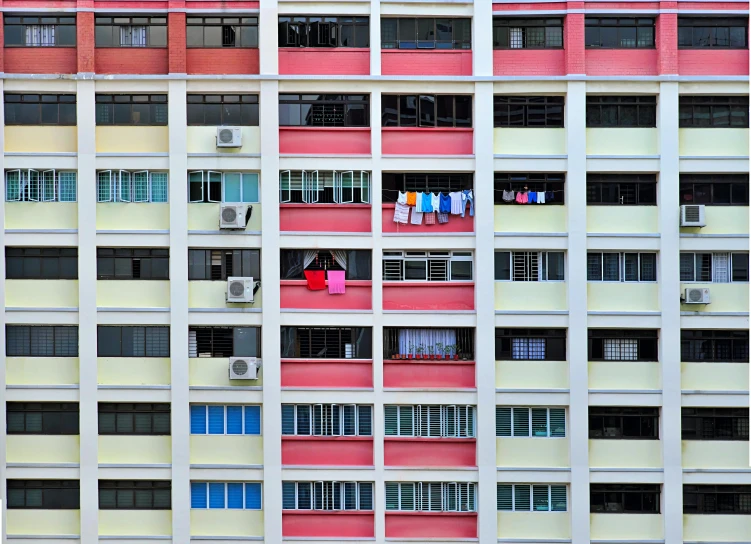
[(624, 498), (224, 342), (511, 183), (40, 109), (535, 33), (622, 267), (130, 31), (324, 187), (619, 33), (327, 342), (530, 422), (528, 111), (719, 424), (226, 420), (714, 189), (393, 183), (225, 495), (531, 498), (217, 32), (134, 419), (46, 418), (431, 496), (425, 33), (621, 111), (132, 263), (714, 346), (126, 186), (324, 110), (427, 266), (43, 263), (205, 110), (722, 32), (327, 495), (220, 264), (717, 499), (41, 341), (622, 345), (116, 341), (226, 187), (40, 186), (327, 420), (453, 342), (430, 421), (714, 267), (35, 31), (702, 111), (622, 189), (317, 31), (131, 109), (530, 344), (356, 263), (135, 494), (426, 110), (44, 494), (615, 422), (529, 266)]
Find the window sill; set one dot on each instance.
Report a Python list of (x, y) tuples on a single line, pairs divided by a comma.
[(316, 438), (332, 206), (309, 49), (306, 127), (427, 361), (426, 283), (347, 283), (444, 440), (328, 512), (426, 50), (423, 129), (419, 513), (328, 361)]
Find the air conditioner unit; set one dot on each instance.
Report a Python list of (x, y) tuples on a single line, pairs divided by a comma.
[(243, 368), (240, 289), (696, 295), (229, 137), (692, 215), (233, 216)]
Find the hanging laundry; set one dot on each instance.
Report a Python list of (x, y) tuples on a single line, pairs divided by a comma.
[(435, 200), (402, 198), (508, 196), (316, 279), (411, 197), (456, 203), (443, 217), (549, 196), (467, 196), (401, 213), (541, 197), (429, 218), (418, 202), (532, 197), (445, 205), (427, 203), (521, 198), (416, 217), (336, 282)]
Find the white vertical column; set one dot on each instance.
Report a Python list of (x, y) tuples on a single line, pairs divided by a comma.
[(576, 203), (482, 40), (268, 38), (3, 429), (375, 42)]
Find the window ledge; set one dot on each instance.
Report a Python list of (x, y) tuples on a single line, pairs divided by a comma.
[(317, 438), (441, 440), (427, 129), (332, 206), (347, 283)]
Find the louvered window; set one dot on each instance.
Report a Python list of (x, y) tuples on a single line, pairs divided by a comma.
[(529, 266), (219, 419), (221, 495), (714, 267), (134, 419), (430, 421), (327, 495), (622, 267), (327, 420), (427, 266), (530, 422), (135, 494), (534, 498), (431, 496)]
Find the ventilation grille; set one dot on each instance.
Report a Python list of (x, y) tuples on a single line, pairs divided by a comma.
[(229, 214), (225, 136)]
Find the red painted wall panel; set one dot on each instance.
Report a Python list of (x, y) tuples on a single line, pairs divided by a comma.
[(41, 60), (431, 525), (427, 141), (311, 523), (712, 62), (621, 62), (320, 61), (327, 451), (454, 62), (429, 296), (529, 62), (547, 6), (324, 217), (224, 61), (134, 6), (456, 223), (440, 374), (713, 5), (295, 294), (131, 60), (177, 36), (317, 373), (324, 141), (429, 452)]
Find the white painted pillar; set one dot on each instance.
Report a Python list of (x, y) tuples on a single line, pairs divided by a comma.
[(268, 37), (3, 429), (375, 43)]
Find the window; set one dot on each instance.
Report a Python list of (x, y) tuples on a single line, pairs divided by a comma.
[(606, 422), (531, 498), (433, 421), (622, 345), (135, 494), (317, 31), (327, 420), (714, 346), (130, 32), (717, 499), (714, 189), (327, 343), (50, 418), (619, 33), (34, 31), (392, 183), (456, 342), (40, 109), (624, 498), (210, 186), (506, 185), (426, 110), (622, 189), (701, 32), (425, 33), (324, 187), (622, 267), (538, 33), (529, 266), (44, 494), (427, 266), (126, 186), (223, 109), (35, 186), (132, 263), (714, 267), (134, 419), (327, 495), (621, 111), (221, 32), (324, 110), (530, 344), (721, 424), (131, 109), (229, 495), (431, 496), (229, 420), (115, 341), (530, 422), (357, 263), (528, 111), (45, 263), (220, 264), (713, 111), (224, 342), (41, 341)]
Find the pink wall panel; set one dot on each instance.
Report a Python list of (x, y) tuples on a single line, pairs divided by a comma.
[(456, 223), (713, 62), (312, 523), (427, 141), (230, 61), (441, 525), (429, 295), (295, 294), (324, 141), (132, 60), (37, 60), (324, 217), (313, 61), (328, 450), (443, 374), (621, 62), (429, 452), (454, 62), (529, 62), (316, 373)]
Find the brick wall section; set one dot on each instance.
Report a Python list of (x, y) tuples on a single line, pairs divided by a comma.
[(222, 61), (621, 62), (131, 60), (85, 41), (319, 61), (573, 40), (38, 60), (529, 62), (427, 63), (713, 62), (176, 41), (666, 40)]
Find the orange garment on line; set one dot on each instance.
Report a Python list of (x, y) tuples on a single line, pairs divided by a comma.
[(411, 198)]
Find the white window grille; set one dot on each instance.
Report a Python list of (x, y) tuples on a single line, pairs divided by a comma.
[(427, 266), (35, 186), (620, 349), (531, 498), (530, 422), (529, 266), (324, 187), (40, 35), (327, 495), (436, 421), (327, 420), (431, 496), (133, 36), (125, 186)]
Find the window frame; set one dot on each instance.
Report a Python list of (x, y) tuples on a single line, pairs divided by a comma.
[(24, 192), (356, 335), (328, 490), (623, 489), (685, 23), (737, 422), (249, 108), (423, 492), (317, 413), (36, 20), (53, 334), (59, 409), (362, 101), (206, 186), (152, 409), (546, 182), (62, 100), (58, 485), (420, 99), (629, 22), (541, 264), (158, 109), (739, 503), (621, 182), (601, 414), (517, 415), (114, 180), (620, 102), (737, 188), (208, 255), (115, 40), (523, 24), (641, 336), (641, 265), (244, 410), (215, 351), (737, 107), (549, 105), (531, 490), (297, 31), (422, 424), (64, 257), (731, 257), (435, 44), (555, 343), (207, 492), (153, 329), (242, 22), (738, 342), (135, 486), (331, 190), (448, 257), (131, 255)]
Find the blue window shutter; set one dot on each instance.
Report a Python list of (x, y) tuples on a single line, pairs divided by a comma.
[(252, 420), (198, 419), (235, 495), (234, 420), (216, 495), (216, 419), (198, 494), (253, 496)]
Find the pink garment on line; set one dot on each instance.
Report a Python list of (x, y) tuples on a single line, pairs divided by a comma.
[(336, 282)]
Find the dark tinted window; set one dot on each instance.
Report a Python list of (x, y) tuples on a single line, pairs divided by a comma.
[(324, 110), (717, 499), (713, 111), (224, 342), (425, 33), (615, 422), (131, 109), (537, 33), (622, 111), (40, 109), (426, 110), (41, 341), (622, 189), (530, 344), (130, 31), (220, 264), (708, 346), (714, 189), (317, 31), (135, 419), (622, 345), (528, 111), (222, 31), (714, 424), (42, 418), (135, 495), (327, 343), (701, 32), (132, 263), (35, 31), (392, 183), (44, 494), (619, 32), (113, 341), (624, 498), (48, 263), (223, 109)]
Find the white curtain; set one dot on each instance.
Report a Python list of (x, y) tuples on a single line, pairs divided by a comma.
[(721, 268), (411, 339), (43, 35), (133, 35), (340, 256), (309, 257), (516, 38)]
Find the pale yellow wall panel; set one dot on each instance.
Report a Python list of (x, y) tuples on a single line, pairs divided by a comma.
[(206, 217), (133, 370), (212, 449), (529, 141), (41, 293), (623, 296), (713, 142), (209, 522), (132, 216), (41, 370), (132, 139), (622, 219), (624, 375), (723, 297), (530, 218), (135, 522), (531, 374), (215, 371), (716, 528), (134, 450), (723, 454), (620, 527), (132, 293), (532, 452), (534, 525), (38, 448), (622, 141), (625, 453), (714, 376), (203, 140), (35, 139), (41, 215), (531, 295), (722, 220), (213, 294), (43, 522)]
